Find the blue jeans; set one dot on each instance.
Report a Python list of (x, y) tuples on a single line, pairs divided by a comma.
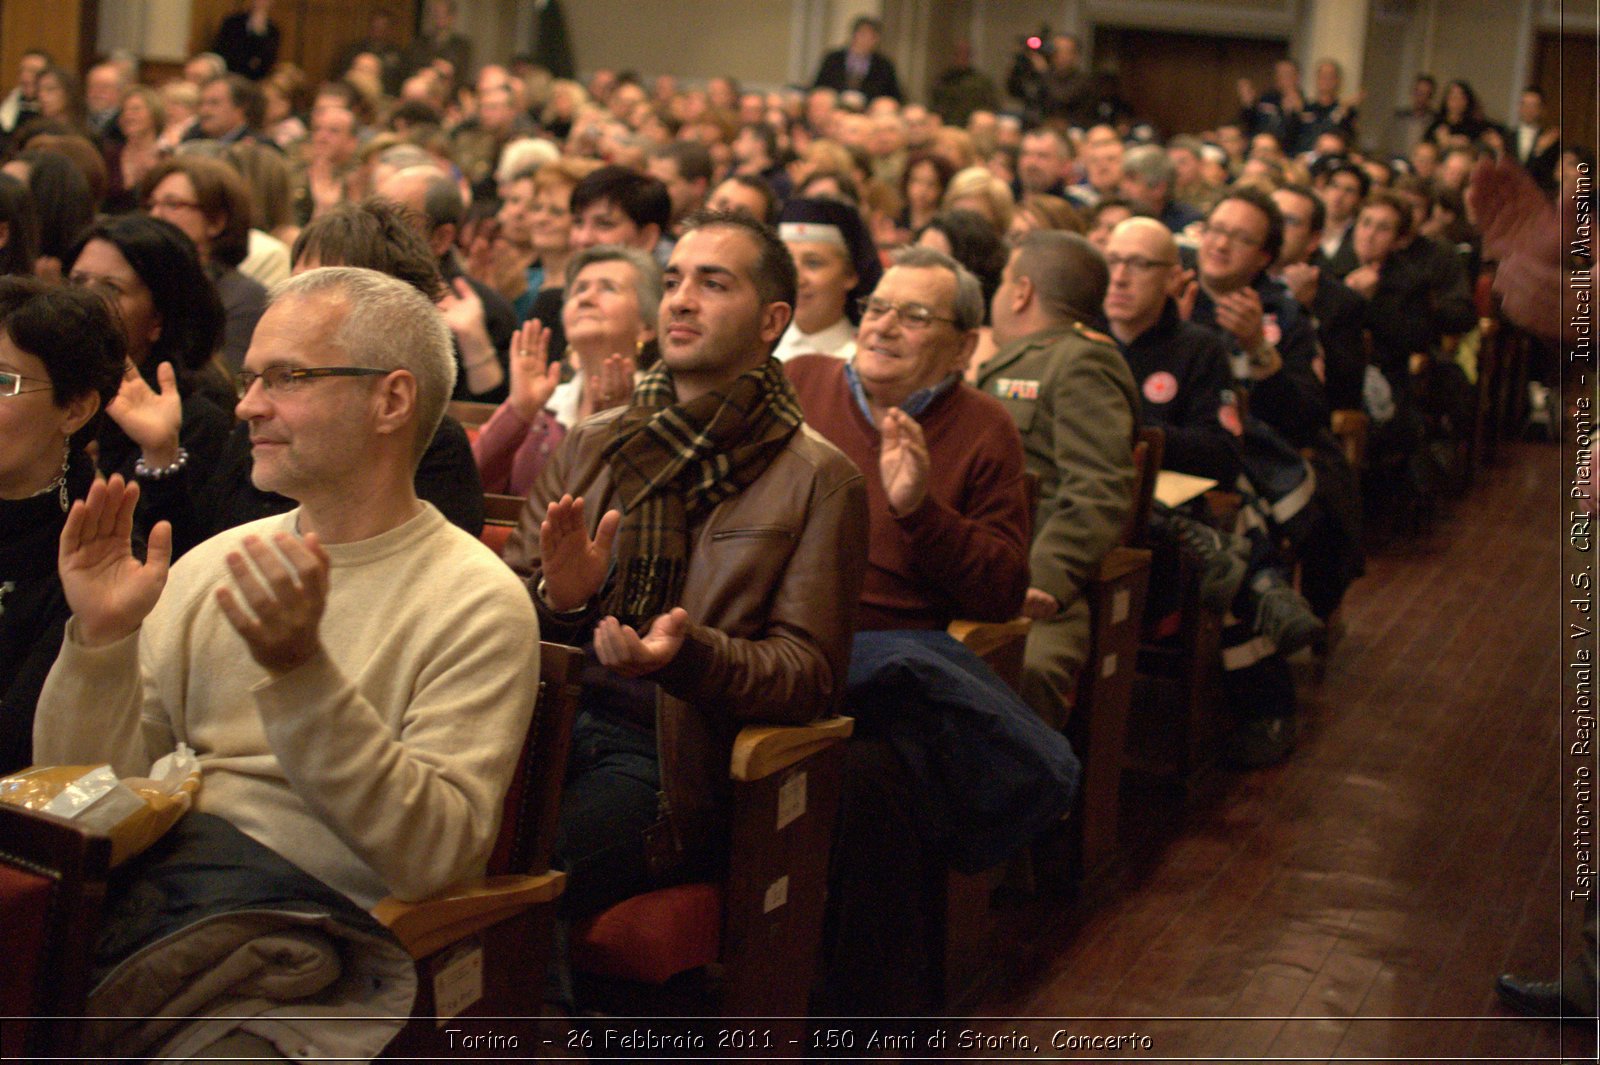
[(609, 800)]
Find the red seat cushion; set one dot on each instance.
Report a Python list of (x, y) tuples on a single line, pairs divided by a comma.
[(24, 908), (1168, 626), (496, 536), (651, 938)]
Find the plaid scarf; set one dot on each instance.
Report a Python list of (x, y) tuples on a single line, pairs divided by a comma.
[(673, 462)]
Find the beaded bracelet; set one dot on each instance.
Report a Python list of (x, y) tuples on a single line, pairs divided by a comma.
[(161, 473)]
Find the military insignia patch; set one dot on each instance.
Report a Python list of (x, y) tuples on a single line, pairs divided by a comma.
[(1008, 388)]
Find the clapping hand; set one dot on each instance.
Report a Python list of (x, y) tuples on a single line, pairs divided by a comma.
[(1302, 280), (903, 462), (286, 591), (1239, 312), (151, 418), (1040, 605), (574, 566), (622, 650), (533, 376), (613, 385), (1184, 290), (1363, 280), (109, 590)]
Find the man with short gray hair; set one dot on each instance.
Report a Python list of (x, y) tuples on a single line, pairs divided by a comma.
[(1149, 182), (353, 676)]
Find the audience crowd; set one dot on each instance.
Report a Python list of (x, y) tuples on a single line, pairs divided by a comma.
[(789, 378)]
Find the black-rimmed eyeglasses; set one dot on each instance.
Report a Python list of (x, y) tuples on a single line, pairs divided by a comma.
[(288, 378)]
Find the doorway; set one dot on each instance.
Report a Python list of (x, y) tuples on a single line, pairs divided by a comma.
[(1183, 82)]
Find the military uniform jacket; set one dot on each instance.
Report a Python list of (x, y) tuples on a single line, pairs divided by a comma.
[(1072, 397)]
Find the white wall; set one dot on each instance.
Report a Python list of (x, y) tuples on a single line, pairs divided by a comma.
[(151, 29)]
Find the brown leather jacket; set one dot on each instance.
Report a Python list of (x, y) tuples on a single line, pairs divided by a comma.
[(774, 576)]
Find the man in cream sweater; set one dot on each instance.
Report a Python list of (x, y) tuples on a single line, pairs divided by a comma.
[(356, 676)]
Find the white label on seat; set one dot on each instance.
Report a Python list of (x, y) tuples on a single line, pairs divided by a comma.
[(1120, 601), (777, 894), (458, 983), (791, 800), (1108, 665)]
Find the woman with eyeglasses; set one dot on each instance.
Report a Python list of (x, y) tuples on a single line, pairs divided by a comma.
[(612, 296), (60, 362), (210, 202), (173, 412)]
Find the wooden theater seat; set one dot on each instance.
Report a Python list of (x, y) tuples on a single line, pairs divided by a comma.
[(496, 930), (743, 945), (500, 517), (52, 891)]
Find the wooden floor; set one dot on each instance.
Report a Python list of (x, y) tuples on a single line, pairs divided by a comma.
[(1356, 903)]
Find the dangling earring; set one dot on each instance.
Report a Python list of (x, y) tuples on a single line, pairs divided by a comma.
[(61, 482)]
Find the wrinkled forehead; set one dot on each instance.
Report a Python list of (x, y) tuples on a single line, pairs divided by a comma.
[(931, 286)]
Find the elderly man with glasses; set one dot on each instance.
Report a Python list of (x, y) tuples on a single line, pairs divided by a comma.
[(353, 676), (949, 536)]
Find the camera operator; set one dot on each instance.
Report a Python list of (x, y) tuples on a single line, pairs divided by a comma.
[(1048, 80)]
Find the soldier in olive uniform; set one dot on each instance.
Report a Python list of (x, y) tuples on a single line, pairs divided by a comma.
[(1072, 397)]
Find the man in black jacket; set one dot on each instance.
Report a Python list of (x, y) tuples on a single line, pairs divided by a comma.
[(1181, 368), (860, 67), (1271, 347), (1336, 312)]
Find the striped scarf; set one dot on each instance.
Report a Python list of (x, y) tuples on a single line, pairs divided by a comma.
[(673, 462)]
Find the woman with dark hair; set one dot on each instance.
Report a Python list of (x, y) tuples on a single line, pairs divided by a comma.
[(60, 98), (60, 362), (208, 200), (130, 157), (65, 204), (173, 411), (970, 239), (837, 266), (922, 188), (1460, 115), (19, 227)]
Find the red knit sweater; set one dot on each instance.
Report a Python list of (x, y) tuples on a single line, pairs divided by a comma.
[(964, 552)]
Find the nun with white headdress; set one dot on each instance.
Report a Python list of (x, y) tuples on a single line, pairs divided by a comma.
[(837, 264)]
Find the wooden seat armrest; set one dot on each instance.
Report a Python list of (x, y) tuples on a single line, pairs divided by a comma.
[(424, 927), (1121, 561), (762, 750), (1345, 420), (983, 638)]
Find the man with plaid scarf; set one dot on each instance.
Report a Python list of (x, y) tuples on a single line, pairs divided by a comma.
[(706, 549)]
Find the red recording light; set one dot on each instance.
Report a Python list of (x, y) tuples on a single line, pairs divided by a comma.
[(1035, 42)]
